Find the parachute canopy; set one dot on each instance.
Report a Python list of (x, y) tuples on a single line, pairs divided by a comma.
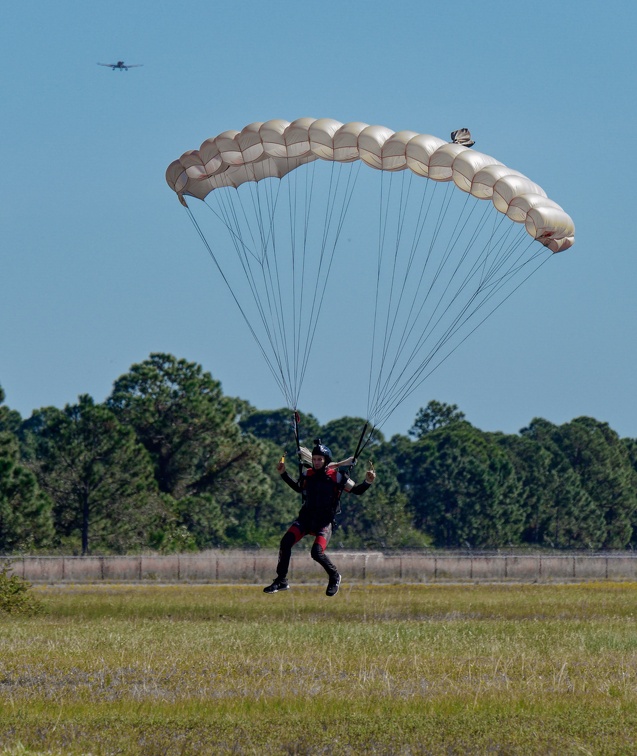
[(443, 236), (274, 148)]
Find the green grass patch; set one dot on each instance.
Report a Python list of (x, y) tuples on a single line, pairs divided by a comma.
[(131, 669)]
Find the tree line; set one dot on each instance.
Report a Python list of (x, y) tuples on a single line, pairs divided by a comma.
[(169, 463)]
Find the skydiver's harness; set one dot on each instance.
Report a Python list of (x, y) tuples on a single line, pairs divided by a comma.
[(332, 473), (318, 489)]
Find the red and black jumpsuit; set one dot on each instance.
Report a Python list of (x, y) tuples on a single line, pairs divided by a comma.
[(321, 491)]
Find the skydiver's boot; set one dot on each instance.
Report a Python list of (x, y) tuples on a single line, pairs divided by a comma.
[(277, 585), (333, 585)]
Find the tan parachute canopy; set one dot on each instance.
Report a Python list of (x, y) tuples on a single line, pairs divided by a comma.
[(274, 148)]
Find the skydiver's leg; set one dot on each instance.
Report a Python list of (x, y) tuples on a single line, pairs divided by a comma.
[(318, 552), (291, 537)]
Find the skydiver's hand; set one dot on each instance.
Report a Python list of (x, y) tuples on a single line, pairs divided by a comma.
[(280, 468), (370, 476)]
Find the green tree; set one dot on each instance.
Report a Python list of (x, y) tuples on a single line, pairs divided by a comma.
[(435, 415), (463, 489), (630, 445), (379, 519), (532, 464), (25, 511), (97, 475), (278, 426), (190, 430), (588, 455), (202, 518), (281, 508), (558, 511), (603, 465), (343, 434), (9, 419)]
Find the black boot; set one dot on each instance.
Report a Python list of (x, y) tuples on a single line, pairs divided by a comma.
[(333, 585), (278, 585)]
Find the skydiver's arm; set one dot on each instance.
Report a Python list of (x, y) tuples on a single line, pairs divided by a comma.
[(342, 463), (294, 484), (359, 489)]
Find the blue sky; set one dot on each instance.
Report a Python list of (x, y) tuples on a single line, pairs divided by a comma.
[(100, 265)]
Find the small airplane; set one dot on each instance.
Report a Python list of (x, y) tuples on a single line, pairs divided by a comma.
[(120, 65)]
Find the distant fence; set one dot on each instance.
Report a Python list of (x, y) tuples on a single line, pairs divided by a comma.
[(259, 567)]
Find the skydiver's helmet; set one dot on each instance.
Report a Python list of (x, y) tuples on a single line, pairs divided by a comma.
[(322, 450)]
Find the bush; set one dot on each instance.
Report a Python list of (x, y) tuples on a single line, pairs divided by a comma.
[(15, 595)]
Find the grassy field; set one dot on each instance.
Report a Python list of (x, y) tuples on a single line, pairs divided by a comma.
[(462, 669)]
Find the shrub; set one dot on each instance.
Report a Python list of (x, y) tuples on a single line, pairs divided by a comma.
[(15, 594)]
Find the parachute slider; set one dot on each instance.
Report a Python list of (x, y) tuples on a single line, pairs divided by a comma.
[(463, 137)]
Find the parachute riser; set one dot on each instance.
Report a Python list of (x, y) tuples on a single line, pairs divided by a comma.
[(359, 445), (297, 421), (345, 476)]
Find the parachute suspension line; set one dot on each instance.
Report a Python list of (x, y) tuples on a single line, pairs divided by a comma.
[(394, 264), (261, 295), (272, 281), (333, 195), (296, 318), (459, 319), (418, 231), (414, 318), (271, 275), (440, 305), (419, 376), (278, 284), (451, 329), (232, 218), (249, 259), (300, 330), (304, 336), (452, 294), (382, 232), (268, 295), (320, 257), (411, 320), (275, 373), (376, 299), (318, 277), (424, 209), (390, 328)]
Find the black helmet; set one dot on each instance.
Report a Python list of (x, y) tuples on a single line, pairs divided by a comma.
[(322, 451)]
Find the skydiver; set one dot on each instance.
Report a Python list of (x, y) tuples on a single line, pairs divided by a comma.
[(321, 487)]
